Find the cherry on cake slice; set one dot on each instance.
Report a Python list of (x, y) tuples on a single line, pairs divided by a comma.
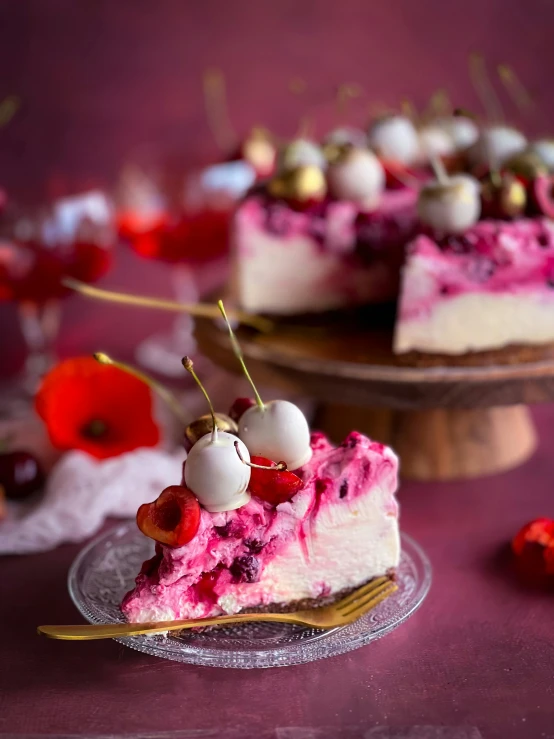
[(292, 545), (490, 287)]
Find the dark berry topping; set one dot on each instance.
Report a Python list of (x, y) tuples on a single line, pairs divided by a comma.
[(456, 244), (254, 545), (225, 530), (317, 229), (321, 485), (543, 240), (343, 489), (481, 269), (351, 441), (245, 569), (278, 220)]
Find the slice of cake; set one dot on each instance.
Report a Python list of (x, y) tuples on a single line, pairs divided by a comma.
[(338, 531), (490, 287)]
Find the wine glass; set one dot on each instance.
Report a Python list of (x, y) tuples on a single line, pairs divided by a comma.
[(187, 228), (39, 247)]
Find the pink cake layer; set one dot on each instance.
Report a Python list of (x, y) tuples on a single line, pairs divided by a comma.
[(339, 227), (493, 256), (225, 567)]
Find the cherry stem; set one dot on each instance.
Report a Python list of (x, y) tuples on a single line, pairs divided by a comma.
[(438, 169), (279, 467), (189, 366), (154, 385), (484, 89), (515, 89), (239, 355), (201, 310)]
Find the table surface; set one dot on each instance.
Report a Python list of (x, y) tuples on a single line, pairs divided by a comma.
[(480, 652)]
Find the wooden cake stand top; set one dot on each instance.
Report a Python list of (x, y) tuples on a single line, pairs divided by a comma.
[(446, 417), (346, 362)]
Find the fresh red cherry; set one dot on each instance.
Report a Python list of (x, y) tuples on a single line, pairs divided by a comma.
[(397, 175), (272, 485), (172, 519), (240, 406), (542, 194), (20, 474), (533, 547)]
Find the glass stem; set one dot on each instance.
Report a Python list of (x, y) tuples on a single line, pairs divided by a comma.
[(40, 327)]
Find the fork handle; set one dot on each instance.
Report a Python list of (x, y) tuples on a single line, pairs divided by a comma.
[(113, 631)]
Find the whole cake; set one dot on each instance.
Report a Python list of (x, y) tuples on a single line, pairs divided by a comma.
[(450, 220), (267, 516)]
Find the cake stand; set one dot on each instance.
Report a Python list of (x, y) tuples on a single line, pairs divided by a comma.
[(447, 418)]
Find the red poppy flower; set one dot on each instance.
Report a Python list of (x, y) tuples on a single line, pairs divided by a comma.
[(534, 550), (96, 408)]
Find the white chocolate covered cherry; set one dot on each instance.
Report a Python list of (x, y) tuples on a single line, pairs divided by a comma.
[(462, 130), (357, 175), (395, 138), (216, 475), (450, 206), (544, 149), (435, 141), (279, 431), (346, 136), (302, 152), (496, 144)]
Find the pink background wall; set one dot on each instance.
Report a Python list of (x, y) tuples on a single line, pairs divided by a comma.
[(102, 79)]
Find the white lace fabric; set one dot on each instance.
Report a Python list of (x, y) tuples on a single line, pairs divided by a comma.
[(82, 492)]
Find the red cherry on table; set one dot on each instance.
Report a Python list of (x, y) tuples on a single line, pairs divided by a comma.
[(239, 407), (272, 485), (20, 474), (172, 519), (533, 547)]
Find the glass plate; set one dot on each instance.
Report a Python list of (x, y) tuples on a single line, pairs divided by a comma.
[(106, 569)]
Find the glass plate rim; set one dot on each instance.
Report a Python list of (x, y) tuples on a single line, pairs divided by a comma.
[(289, 655)]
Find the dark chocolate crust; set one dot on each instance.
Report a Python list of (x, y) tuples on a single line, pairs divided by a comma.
[(513, 354), (309, 603)]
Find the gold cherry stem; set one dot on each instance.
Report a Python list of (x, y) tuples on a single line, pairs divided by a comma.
[(484, 89), (438, 169), (189, 366), (279, 467), (238, 354), (167, 396), (515, 88), (201, 310)]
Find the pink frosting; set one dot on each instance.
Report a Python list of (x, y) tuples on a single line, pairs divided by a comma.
[(336, 226), (492, 256), (232, 548)]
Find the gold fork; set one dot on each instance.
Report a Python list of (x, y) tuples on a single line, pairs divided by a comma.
[(341, 613)]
